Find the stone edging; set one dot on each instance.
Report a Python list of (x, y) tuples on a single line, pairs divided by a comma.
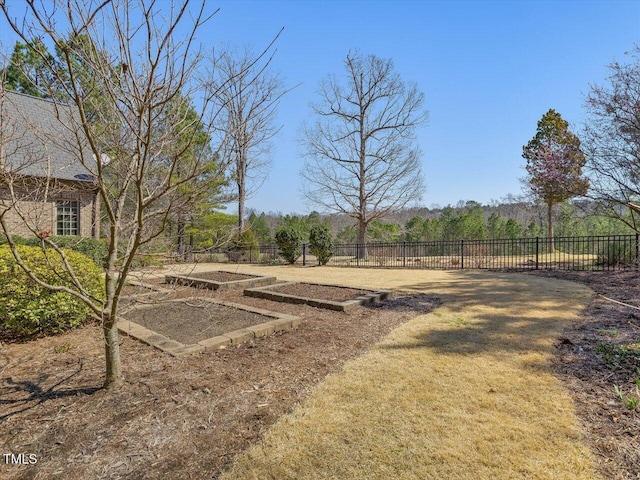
[(279, 323), (347, 305), (196, 282)]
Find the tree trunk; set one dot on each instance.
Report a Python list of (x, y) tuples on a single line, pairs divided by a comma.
[(181, 235), (550, 225), (241, 173), (113, 365), (362, 194), (362, 239), (112, 353), (241, 195)]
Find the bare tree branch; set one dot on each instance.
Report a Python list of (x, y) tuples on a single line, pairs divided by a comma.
[(248, 94), (611, 141), (361, 153)]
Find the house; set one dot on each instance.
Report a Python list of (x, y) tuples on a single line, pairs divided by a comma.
[(46, 188)]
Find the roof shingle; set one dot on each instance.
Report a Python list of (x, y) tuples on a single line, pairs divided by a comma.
[(39, 137)]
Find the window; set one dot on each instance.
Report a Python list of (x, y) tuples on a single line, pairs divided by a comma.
[(67, 217)]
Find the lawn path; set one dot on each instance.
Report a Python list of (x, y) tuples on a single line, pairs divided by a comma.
[(465, 392)]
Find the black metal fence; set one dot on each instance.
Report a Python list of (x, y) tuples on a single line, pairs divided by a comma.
[(608, 252), (265, 254)]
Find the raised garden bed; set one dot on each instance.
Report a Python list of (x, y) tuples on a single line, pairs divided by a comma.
[(220, 280), (331, 297), (193, 325)]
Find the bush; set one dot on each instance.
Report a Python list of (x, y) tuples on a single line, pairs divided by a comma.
[(244, 247), (95, 249), (26, 309), (321, 243), (288, 240), (615, 253)]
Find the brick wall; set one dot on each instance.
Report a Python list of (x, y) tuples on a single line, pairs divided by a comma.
[(41, 215)]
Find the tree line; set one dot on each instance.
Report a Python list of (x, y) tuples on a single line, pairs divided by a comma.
[(465, 221)]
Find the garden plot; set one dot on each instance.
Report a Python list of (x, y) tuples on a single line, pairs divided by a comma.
[(331, 297), (192, 325), (220, 280)]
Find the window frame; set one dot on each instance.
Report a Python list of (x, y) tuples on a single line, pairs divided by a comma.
[(67, 217)]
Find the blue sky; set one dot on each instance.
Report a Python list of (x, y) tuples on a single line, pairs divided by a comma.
[(489, 71)]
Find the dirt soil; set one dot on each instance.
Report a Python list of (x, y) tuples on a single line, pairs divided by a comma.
[(320, 292), (195, 320), (128, 290), (175, 417), (598, 354), (222, 276)]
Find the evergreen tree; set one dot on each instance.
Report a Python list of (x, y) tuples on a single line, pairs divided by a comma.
[(259, 226), (496, 226), (513, 229), (321, 243), (383, 232), (27, 71)]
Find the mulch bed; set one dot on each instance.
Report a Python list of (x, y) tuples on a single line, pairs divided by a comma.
[(193, 320), (175, 417), (582, 362), (221, 276), (321, 292), (128, 290)]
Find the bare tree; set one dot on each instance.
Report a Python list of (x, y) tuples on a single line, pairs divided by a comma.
[(248, 94), (612, 141), (132, 126), (362, 157)]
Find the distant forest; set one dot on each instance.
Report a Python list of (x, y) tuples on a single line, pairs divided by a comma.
[(468, 220)]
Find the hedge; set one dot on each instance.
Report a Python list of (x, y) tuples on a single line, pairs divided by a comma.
[(27, 309)]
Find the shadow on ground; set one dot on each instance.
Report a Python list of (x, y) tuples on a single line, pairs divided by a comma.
[(28, 394), (498, 314)]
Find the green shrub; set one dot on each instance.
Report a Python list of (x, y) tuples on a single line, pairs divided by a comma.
[(26, 309), (321, 243), (95, 249), (288, 241), (615, 253), (244, 247), (619, 356), (18, 240)]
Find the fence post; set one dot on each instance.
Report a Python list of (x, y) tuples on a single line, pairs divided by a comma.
[(404, 254), (637, 249), (250, 255), (304, 254), (357, 254), (462, 254), (537, 250)]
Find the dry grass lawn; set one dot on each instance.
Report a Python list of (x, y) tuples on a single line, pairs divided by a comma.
[(465, 392)]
